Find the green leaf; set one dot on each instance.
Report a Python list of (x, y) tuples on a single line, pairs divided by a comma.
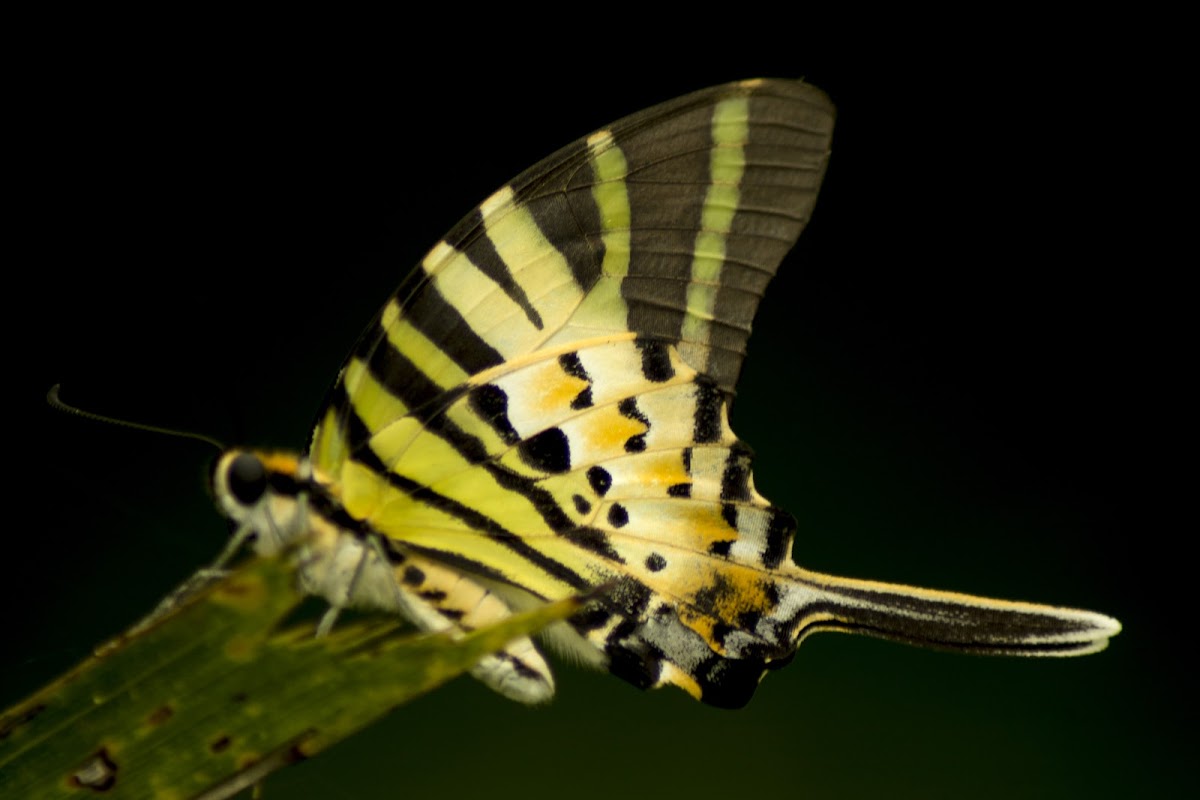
[(214, 695)]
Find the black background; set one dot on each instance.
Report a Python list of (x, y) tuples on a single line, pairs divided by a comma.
[(963, 377)]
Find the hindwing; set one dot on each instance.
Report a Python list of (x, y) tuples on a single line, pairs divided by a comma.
[(543, 402)]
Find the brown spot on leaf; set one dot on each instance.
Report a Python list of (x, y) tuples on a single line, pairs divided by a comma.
[(160, 715), (245, 592), (17, 720), (99, 773)]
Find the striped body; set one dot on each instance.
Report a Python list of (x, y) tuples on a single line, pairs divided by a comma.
[(542, 408)]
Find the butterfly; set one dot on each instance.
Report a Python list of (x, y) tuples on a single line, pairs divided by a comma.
[(542, 408)]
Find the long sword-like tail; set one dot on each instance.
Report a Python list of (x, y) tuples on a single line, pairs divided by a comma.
[(947, 620)]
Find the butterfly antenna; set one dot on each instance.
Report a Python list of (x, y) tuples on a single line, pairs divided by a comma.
[(56, 403)]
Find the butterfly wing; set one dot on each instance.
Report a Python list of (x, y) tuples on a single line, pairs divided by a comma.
[(543, 401)]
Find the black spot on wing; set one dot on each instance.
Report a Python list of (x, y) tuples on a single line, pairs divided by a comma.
[(748, 620), (636, 662), (571, 365), (735, 480), (708, 412), (779, 536), (582, 400), (629, 408), (721, 548), (600, 480), (771, 593), (720, 630), (729, 682), (548, 451), (591, 618), (490, 403), (656, 360), (729, 513)]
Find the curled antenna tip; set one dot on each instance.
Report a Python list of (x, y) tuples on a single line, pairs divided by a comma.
[(56, 402)]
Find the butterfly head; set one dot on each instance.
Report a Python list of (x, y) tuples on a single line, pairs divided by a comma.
[(263, 494)]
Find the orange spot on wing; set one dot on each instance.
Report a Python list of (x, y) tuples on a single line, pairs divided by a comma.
[(608, 430), (664, 469), (553, 388)]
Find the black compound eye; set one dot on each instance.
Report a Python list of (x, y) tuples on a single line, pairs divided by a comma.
[(247, 479)]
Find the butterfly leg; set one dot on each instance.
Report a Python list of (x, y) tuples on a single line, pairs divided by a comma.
[(246, 530), (327, 621), (439, 599), (198, 580), (217, 568), (335, 608)]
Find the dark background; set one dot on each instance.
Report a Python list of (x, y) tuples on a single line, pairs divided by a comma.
[(964, 376)]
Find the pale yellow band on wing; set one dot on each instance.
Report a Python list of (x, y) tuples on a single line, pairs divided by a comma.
[(612, 200), (603, 308), (373, 402), (535, 263), (424, 354), (730, 131), (478, 299), (328, 446)]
